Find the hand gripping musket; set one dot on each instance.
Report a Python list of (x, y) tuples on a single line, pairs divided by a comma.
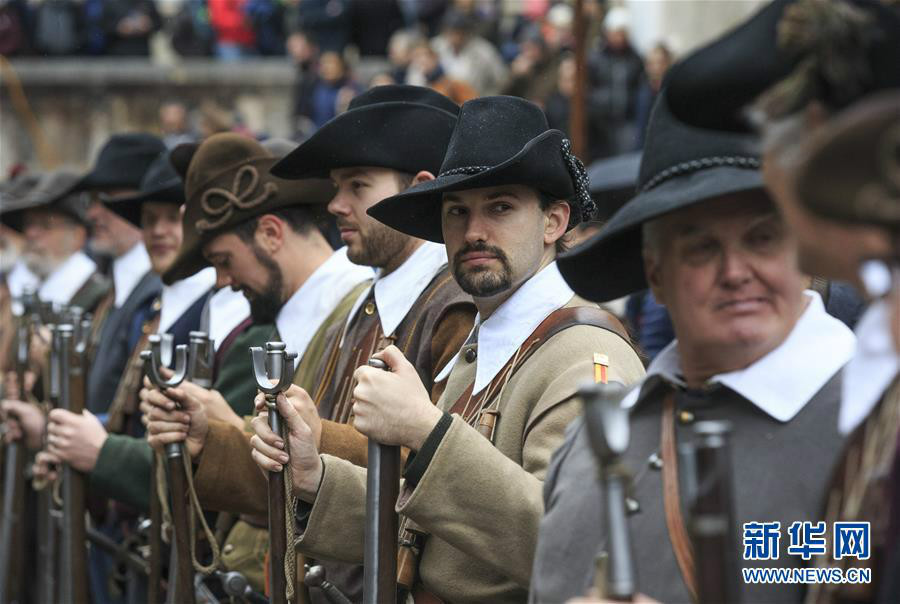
[(181, 587), (12, 545), (711, 512), (73, 554), (382, 489), (275, 364), (608, 431)]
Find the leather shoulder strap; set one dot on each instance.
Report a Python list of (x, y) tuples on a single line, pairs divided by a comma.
[(557, 321)]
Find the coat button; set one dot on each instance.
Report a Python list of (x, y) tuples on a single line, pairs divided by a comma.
[(632, 506), (369, 308), (685, 417), (655, 461), (228, 548), (471, 355)]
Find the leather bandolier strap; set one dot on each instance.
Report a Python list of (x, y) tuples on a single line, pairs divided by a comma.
[(556, 322), (681, 542)]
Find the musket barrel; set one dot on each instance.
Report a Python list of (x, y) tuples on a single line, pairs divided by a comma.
[(274, 363), (73, 569), (712, 515), (382, 489)]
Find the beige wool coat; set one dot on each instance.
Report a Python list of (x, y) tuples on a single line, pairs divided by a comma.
[(481, 503)]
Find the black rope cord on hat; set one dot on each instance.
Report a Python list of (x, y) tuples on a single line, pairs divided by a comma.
[(751, 163), (582, 184)]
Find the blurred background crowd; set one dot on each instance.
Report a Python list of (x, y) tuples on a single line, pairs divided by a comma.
[(463, 48)]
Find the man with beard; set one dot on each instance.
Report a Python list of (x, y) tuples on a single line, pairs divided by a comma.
[(54, 224), (271, 249), (752, 348), (507, 192), (414, 301)]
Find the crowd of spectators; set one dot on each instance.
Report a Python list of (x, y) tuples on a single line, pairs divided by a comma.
[(463, 48)]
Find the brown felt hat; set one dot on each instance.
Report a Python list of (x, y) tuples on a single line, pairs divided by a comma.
[(227, 182), (851, 169)]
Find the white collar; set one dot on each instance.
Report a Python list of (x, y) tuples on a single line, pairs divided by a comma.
[(227, 309), (177, 298), (501, 334), (303, 313), (396, 293), (18, 280), (65, 281), (871, 370), (128, 270), (782, 382)]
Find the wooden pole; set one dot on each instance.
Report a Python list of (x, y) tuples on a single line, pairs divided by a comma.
[(578, 118)]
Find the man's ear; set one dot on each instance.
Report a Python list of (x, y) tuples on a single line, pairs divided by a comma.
[(270, 233), (556, 221), (423, 176)]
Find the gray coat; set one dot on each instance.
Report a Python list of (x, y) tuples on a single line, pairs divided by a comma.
[(781, 471), (112, 350)]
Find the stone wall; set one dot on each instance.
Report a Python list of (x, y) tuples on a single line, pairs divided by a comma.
[(78, 103)]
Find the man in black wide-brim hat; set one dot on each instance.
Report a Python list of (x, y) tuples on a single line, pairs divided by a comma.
[(508, 190), (705, 236)]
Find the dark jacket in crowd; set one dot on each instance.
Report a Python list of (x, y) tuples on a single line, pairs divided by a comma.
[(615, 77), (116, 11)]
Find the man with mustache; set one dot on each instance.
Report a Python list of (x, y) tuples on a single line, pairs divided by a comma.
[(750, 349), (55, 227), (507, 192), (414, 301)]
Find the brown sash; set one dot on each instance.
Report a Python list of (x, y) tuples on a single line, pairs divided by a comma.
[(681, 543), (557, 321)]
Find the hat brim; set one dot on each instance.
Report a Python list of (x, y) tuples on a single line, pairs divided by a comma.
[(129, 207), (190, 260), (417, 211), (610, 264), (367, 136)]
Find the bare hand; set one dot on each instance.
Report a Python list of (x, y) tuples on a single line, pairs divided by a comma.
[(24, 421), (12, 383), (167, 423), (269, 449), (303, 403), (215, 405), (45, 466), (39, 347), (393, 406), (75, 439)]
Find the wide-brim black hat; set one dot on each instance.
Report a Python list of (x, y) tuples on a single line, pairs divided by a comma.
[(51, 190), (499, 140), (405, 128), (228, 181), (613, 182), (161, 183), (712, 87), (681, 167), (122, 162)]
